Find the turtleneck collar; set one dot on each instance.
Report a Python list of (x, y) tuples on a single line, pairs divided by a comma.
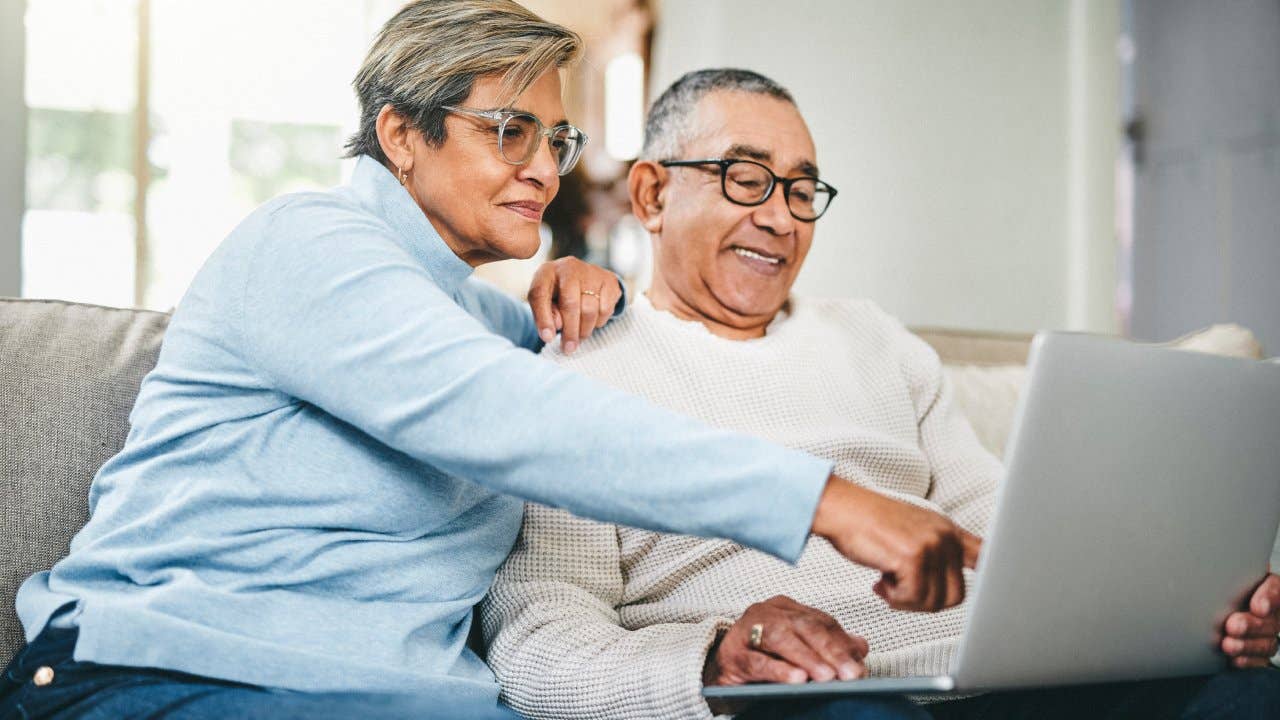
[(377, 189)]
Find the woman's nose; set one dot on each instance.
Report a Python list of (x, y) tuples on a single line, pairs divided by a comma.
[(543, 167)]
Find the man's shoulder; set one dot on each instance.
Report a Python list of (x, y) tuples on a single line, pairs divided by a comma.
[(865, 325), (622, 335), (857, 314)]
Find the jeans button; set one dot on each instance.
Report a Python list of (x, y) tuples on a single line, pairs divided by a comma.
[(43, 676)]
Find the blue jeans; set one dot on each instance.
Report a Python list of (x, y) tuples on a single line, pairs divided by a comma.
[(869, 707), (87, 691), (1234, 694)]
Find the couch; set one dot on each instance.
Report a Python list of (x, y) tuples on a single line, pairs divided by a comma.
[(69, 374)]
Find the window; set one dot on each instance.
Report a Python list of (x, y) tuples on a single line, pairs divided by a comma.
[(78, 229), (242, 100)]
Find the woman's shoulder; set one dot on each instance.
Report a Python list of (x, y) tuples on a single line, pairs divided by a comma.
[(315, 211), (319, 225)]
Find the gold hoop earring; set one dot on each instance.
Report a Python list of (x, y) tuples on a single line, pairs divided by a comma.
[(404, 176)]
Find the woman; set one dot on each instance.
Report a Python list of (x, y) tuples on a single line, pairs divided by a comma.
[(325, 467)]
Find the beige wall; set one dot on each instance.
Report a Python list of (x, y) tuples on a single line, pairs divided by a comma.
[(973, 145)]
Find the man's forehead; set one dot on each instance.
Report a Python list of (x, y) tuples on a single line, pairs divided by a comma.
[(753, 127)]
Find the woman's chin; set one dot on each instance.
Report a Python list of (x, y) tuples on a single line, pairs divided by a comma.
[(519, 246)]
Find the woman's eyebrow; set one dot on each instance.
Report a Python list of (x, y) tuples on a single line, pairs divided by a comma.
[(558, 123)]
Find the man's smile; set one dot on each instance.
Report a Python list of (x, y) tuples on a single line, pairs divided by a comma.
[(760, 261)]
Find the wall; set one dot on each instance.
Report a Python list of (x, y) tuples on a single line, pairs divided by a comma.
[(1206, 247), (12, 145), (973, 145)]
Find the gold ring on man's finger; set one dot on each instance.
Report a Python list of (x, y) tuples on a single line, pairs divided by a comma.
[(757, 636), (591, 292)]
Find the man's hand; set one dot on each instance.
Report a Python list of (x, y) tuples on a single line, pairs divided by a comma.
[(920, 553), (796, 643), (573, 297), (1250, 635)]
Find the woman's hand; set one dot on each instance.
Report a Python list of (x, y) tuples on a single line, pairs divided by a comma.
[(573, 297), (921, 555)]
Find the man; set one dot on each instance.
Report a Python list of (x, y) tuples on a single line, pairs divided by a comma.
[(594, 620)]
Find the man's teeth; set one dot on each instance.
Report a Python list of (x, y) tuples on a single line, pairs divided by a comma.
[(747, 253)]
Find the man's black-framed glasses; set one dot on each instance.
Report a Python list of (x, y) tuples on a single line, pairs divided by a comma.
[(520, 134), (749, 183)]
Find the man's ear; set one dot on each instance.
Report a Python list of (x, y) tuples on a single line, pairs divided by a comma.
[(395, 135), (646, 183)]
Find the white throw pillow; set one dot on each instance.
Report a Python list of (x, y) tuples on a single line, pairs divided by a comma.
[(987, 395)]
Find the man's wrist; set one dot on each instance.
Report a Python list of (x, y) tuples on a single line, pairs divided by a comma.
[(710, 668)]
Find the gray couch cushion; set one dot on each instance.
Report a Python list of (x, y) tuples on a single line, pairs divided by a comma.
[(69, 374)]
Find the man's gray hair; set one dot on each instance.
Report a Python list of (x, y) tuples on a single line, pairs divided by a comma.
[(431, 53), (670, 120)]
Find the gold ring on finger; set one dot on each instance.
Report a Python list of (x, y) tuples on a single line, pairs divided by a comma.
[(591, 292), (757, 636)]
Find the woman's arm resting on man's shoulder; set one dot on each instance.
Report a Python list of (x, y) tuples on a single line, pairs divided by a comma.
[(336, 314), (555, 293), (574, 297)]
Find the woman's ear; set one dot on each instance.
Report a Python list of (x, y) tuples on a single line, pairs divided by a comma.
[(646, 183), (395, 135)]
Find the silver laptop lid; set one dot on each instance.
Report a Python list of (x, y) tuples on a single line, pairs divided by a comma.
[(1141, 499)]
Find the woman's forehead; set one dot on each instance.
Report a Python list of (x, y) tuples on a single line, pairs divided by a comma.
[(542, 98)]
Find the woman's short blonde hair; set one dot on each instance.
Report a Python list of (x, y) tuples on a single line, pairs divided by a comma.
[(431, 52)]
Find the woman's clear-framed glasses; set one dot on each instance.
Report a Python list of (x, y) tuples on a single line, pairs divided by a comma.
[(749, 183), (520, 134)]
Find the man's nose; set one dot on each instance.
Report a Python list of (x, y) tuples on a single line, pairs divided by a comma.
[(774, 215)]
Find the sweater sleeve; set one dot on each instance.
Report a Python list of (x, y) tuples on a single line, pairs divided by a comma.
[(501, 313), (509, 317), (335, 313), (964, 473), (555, 636)]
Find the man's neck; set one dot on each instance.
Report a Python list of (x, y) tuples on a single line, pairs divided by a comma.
[(664, 298)]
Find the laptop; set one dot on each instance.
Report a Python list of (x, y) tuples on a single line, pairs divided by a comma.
[(1139, 507)]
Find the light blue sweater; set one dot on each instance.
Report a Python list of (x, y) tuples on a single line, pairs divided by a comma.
[(325, 467)]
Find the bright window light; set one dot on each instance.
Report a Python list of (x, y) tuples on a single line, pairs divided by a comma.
[(624, 106)]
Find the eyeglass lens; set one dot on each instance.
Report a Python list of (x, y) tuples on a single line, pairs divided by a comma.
[(521, 136), (749, 184)]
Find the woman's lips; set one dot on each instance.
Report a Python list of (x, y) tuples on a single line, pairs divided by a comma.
[(526, 208)]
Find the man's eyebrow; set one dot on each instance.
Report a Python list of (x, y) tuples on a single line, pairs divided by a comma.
[(751, 152)]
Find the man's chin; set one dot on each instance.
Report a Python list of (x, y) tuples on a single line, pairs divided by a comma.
[(755, 309)]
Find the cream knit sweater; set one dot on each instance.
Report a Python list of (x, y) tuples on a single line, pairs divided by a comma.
[(590, 620)]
